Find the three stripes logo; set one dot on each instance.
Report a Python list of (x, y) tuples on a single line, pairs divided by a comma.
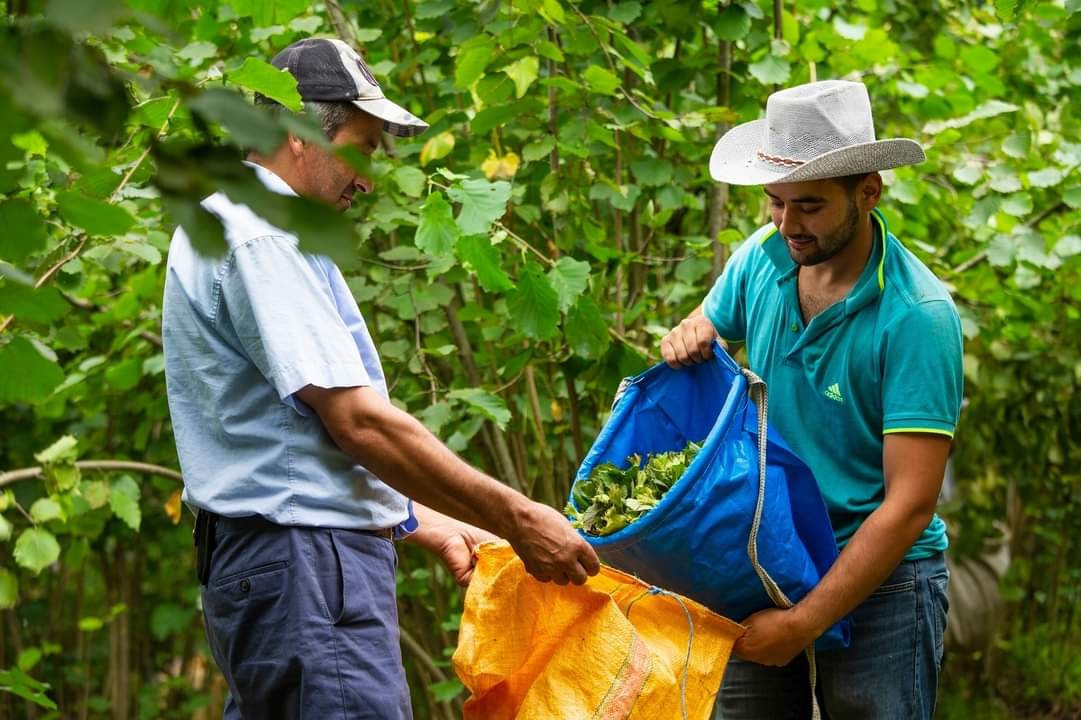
[(833, 392)]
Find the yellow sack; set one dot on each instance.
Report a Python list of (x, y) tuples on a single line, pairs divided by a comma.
[(612, 648)]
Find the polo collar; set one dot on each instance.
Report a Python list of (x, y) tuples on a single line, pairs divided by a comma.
[(872, 280)]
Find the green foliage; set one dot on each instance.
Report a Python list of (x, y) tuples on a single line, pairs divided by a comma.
[(612, 498), (515, 262)]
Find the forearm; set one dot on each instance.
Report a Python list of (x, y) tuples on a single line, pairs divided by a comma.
[(871, 555), (406, 456)]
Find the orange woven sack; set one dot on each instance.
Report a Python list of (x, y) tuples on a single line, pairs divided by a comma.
[(612, 648)]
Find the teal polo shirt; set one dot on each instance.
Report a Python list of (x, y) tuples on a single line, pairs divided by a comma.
[(885, 359)]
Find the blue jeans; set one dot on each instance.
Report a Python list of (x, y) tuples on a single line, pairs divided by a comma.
[(889, 672), (303, 623)]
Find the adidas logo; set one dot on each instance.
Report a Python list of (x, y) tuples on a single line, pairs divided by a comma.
[(833, 392)]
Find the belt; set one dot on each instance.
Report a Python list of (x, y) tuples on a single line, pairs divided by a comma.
[(205, 536), (257, 523)]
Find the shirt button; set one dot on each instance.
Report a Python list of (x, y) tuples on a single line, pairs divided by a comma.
[(245, 585), (795, 327)]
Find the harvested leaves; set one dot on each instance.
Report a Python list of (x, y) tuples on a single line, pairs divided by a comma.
[(612, 498)]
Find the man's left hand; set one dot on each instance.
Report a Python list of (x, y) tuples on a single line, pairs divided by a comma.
[(456, 548), (772, 638)]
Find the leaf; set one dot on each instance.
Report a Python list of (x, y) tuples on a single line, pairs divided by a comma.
[(44, 305), (489, 405), (5, 529), (482, 203), (45, 509), (569, 278), (1018, 204), (24, 230), (537, 150), (447, 690), (262, 77), (437, 146), (523, 72), (473, 57), (9, 589), (585, 329), (732, 24), (249, 126), (553, 11), (197, 52), (96, 217), (79, 16), (169, 619), (64, 450), (770, 70), (96, 493), (91, 624), (437, 230), (534, 305), (601, 80), (36, 549), (410, 180), (1047, 177), (989, 109), (479, 255), (652, 171), (25, 375), (625, 12), (124, 502), (1072, 197), (979, 58), (125, 374)]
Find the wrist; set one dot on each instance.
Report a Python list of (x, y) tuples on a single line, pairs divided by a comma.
[(806, 625)]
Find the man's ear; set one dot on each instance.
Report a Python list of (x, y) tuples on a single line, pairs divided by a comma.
[(869, 192), (296, 145)]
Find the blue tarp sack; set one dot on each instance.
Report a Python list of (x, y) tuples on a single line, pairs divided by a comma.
[(727, 535)]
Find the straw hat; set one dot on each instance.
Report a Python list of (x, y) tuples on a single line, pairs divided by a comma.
[(810, 132)]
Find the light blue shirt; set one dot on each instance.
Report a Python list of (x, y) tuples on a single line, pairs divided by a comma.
[(242, 334), (885, 359)]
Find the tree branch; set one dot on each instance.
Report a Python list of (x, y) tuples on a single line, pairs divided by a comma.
[(11, 476)]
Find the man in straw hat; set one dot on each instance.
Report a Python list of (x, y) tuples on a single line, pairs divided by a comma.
[(861, 347), (302, 471)]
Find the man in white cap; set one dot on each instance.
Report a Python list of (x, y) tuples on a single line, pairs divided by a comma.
[(302, 471), (861, 347)]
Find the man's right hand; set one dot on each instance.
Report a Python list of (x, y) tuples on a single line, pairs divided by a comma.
[(690, 342), (550, 548)]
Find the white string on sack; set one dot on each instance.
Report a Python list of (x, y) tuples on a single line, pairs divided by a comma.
[(756, 388)]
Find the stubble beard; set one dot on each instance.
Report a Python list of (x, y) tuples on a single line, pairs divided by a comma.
[(834, 243)]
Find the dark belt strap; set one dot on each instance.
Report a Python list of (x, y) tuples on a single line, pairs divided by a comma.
[(206, 524)]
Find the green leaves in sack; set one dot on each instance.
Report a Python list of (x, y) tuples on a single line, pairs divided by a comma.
[(612, 498)]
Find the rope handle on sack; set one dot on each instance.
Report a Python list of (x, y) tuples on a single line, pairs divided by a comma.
[(756, 388), (654, 590)]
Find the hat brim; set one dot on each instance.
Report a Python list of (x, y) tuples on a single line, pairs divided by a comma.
[(396, 119), (735, 161)]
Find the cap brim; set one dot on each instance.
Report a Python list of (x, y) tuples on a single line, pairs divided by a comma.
[(396, 119), (735, 161)]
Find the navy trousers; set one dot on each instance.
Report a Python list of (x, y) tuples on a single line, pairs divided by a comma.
[(303, 622)]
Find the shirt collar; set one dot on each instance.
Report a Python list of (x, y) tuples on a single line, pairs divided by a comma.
[(271, 180)]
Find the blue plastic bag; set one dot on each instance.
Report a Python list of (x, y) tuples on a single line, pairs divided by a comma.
[(697, 540)]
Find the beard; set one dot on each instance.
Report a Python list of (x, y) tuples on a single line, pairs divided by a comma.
[(827, 246)]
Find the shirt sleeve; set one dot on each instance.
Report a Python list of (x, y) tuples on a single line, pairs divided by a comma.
[(923, 372), (286, 321), (726, 305)]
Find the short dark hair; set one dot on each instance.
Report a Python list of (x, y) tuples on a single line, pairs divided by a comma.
[(851, 182), (332, 115)]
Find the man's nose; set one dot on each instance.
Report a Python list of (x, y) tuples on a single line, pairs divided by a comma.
[(790, 222)]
